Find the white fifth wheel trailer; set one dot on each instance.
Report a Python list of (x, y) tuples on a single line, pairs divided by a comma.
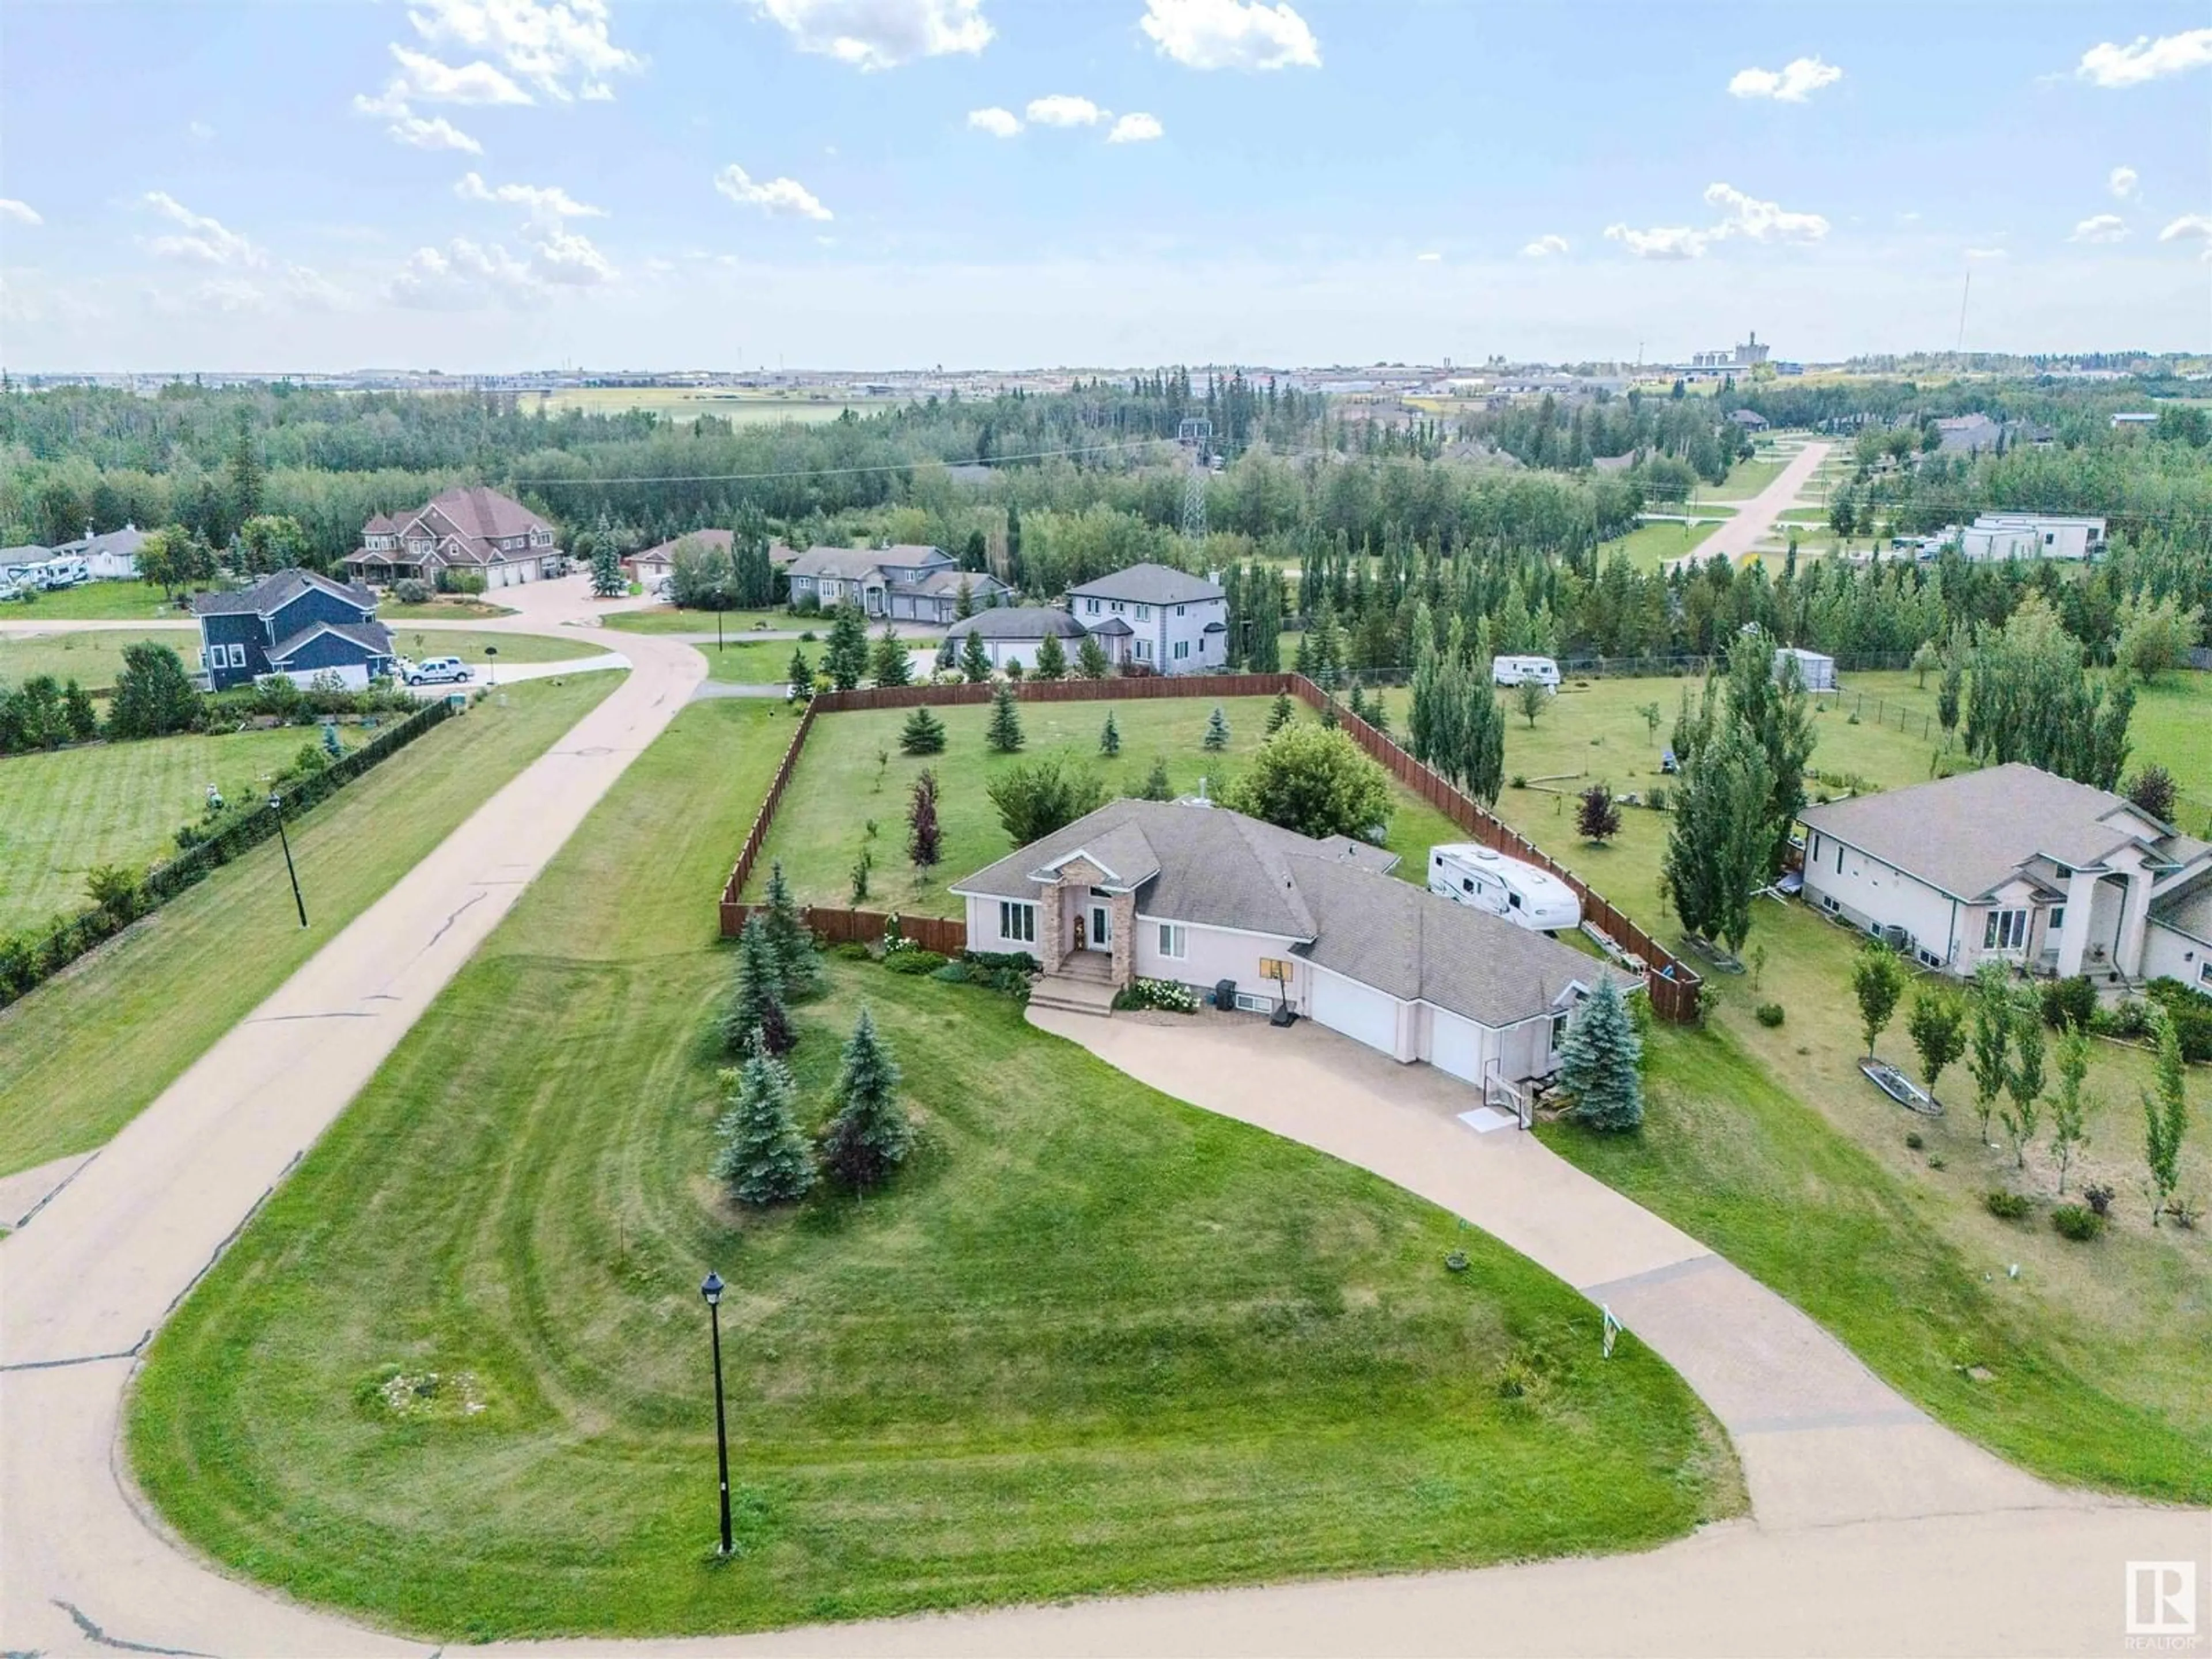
[(1486, 879)]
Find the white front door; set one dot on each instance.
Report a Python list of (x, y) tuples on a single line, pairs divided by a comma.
[(1101, 930)]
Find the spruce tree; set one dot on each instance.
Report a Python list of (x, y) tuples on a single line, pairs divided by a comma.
[(764, 1158), (1004, 734), (1051, 660), (1091, 660), (890, 662), (975, 661), (1109, 736), (922, 735), (845, 659), (964, 603), (868, 1135), (1600, 1062), (1217, 731), (801, 970), (1156, 786), (607, 582), (801, 673), (754, 1014), (924, 843), (1280, 713)]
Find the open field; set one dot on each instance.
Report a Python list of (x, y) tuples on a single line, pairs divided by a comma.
[(65, 811), (97, 602), (469, 646), (668, 619), (685, 403), (1649, 545), (182, 977), (760, 662), (1746, 478), (90, 659), (1811, 1187), (819, 827), (1092, 1340)]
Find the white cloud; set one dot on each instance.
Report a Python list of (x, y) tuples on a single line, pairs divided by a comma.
[(1545, 245), (310, 288), (569, 257), (2196, 225), (1428, 258), (1793, 83), (464, 275), (2123, 183), (1985, 253), (1137, 128), (22, 212), (1234, 34), (199, 239), (423, 79), (1762, 221), (2110, 64), (198, 131), (771, 196), (1662, 242), (434, 132), (561, 48), (2100, 228), (546, 205), (880, 35), (1062, 109), (999, 122)]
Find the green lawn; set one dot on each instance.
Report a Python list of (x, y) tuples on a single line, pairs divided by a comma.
[(1810, 1187), (64, 811), (1649, 545), (469, 646), (761, 662), (178, 981), (820, 827), (667, 619), (1746, 478), (450, 608), (91, 659), (1091, 1341), (96, 602)]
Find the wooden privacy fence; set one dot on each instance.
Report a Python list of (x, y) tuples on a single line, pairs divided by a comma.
[(1672, 984)]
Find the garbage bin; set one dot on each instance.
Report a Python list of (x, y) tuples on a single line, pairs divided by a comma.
[(1224, 993)]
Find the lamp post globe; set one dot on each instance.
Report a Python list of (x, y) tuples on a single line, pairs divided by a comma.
[(711, 1288)]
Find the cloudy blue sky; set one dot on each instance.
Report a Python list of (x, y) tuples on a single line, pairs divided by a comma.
[(494, 184)]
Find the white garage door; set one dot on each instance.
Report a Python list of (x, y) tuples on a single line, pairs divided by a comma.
[(1360, 1011), (1455, 1046)]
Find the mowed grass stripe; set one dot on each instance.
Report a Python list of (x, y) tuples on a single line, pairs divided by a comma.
[(1092, 1340), (87, 1052)]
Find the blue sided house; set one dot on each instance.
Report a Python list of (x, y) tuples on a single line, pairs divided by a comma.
[(295, 624)]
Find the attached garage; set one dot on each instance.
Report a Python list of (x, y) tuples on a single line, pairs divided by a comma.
[(1456, 1045), (1360, 1011)]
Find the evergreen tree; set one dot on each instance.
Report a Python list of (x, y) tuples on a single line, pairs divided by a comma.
[(801, 673), (1004, 734), (153, 696), (1217, 731), (78, 714), (607, 582), (754, 1014), (1329, 722), (1937, 1025), (1156, 786), (1091, 660), (975, 661), (1051, 660), (924, 844), (964, 603), (801, 969), (1877, 982), (1109, 736), (246, 479), (1601, 1062), (1280, 713), (891, 663), (922, 735), (1778, 714), (1717, 845), (1949, 689), (868, 1135), (845, 659), (764, 1158)]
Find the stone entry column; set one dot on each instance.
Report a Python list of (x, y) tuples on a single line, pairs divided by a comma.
[(1123, 909)]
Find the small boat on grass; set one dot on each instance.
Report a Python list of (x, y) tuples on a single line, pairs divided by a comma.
[(1900, 1088)]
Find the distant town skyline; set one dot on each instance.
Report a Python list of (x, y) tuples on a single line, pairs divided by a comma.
[(491, 185)]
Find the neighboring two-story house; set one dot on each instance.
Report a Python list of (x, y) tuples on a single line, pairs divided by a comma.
[(473, 531), (295, 624), (903, 583), (1152, 617), (2014, 864)]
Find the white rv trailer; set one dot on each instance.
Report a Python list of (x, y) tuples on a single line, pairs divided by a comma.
[(1519, 670), (1486, 879)]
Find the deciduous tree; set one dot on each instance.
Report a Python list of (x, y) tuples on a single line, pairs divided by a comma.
[(924, 844), (1035, 798), (1937, 1025), (2024, 1075), (2069, 1107), (2165, 1113), (1315, 782), (1877, 982)]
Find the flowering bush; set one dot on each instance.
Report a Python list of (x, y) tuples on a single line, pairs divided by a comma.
[(1164, 994)]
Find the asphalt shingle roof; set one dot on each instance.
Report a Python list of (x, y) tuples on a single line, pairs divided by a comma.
[(372, 637), (1148, 584), (270, 592), (1028, 622)]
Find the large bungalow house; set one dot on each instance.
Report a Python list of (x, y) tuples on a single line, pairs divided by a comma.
[(904, 583), (109, 555), (1156, 617), (473, 531), (2014, 864), (1189, 891), (295, 624), (1013, 635)]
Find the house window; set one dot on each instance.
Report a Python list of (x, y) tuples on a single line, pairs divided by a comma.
[(1090, 607), (1173, 944), (1558, 1031), (2005, 930), (1839, 858), (238, 656), (1144, 650), (1144, 613), (2058, 919), (1115, 606), (1182, 648), (2204, 970), (1179, 610), (1018, 921)]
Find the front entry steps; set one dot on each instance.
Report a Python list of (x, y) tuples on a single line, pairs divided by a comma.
[(1071, 994)]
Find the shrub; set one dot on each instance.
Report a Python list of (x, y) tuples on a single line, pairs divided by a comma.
[(955, 973), (1768, 1014), (2004, 1206), (1936, 1160), (410, 589), (1035, 798), (2191, 1010), (1164, 994), (1913, 1140), (2097, 1198), (1518, 780), (2069, 1004), (2077, 1222), (851, 951), (914, 961), (1655, 797)]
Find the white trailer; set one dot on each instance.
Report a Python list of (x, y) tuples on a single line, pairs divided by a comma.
[(1484, 878), (1519, 670)]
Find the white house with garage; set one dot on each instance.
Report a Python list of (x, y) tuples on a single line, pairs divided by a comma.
[(2015, 864), (1155, 617), (1187, 891), (1013, 635)]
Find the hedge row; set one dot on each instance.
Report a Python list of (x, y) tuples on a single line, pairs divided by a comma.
[(29, 958)]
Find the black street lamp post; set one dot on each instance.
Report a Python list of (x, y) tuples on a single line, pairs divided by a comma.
[(276, 805), (712, 1290)]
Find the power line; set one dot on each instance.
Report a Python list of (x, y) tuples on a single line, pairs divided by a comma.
[(840, 472)]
